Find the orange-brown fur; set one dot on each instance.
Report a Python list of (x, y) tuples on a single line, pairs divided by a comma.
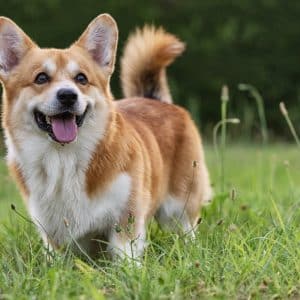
[(17, 174), (146, 55)]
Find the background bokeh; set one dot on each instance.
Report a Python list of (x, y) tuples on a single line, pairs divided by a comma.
[(251, 41)]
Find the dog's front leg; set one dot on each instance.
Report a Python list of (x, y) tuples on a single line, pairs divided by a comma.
[(127, 239), (50, 248)]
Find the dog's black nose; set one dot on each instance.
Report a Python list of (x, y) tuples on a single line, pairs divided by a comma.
[(67, 96)]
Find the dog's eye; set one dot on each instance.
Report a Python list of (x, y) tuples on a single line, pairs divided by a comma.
[(41, 78), (81, 78)]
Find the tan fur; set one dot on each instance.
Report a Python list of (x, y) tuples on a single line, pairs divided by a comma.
[(17, 175), (146, 55), (155, 143)]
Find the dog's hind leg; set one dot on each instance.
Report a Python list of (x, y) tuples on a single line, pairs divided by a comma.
[(173, 216)]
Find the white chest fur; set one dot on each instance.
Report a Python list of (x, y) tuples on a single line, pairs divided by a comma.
[(69, 202), (55, 177)]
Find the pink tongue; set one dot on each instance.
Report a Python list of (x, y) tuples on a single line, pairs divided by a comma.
[(65, 130)]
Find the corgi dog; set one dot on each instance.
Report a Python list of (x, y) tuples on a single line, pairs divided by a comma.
[(86, 164)]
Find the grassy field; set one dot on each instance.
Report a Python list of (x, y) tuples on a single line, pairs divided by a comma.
[(247, 245)]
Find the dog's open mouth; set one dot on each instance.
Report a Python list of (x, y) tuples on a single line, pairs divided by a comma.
[(63, 127)]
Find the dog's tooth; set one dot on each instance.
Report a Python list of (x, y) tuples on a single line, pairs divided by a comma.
[(48, 120)]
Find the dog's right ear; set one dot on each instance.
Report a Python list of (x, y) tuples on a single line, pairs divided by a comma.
[(100, 40), (14, 44)]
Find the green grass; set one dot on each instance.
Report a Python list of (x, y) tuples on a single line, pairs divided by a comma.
[(247, 247)]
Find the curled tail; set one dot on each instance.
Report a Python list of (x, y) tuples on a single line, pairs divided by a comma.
[(143, 66)]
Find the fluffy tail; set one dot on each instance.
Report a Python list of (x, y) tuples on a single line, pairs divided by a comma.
[(143, 66)]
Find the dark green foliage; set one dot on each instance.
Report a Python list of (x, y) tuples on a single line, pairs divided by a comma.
[(250, 41)]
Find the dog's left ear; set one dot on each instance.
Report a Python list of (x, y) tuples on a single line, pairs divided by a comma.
[(100, 39)]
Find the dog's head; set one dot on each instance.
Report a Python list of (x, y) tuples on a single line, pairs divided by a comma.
[(53, 91)]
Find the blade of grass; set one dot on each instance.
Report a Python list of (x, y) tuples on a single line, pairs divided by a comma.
[(224, 101), (285, 113), (260, 107)]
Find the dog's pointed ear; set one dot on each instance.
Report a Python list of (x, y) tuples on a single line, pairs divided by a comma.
[(14, 44), (100, 39)]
